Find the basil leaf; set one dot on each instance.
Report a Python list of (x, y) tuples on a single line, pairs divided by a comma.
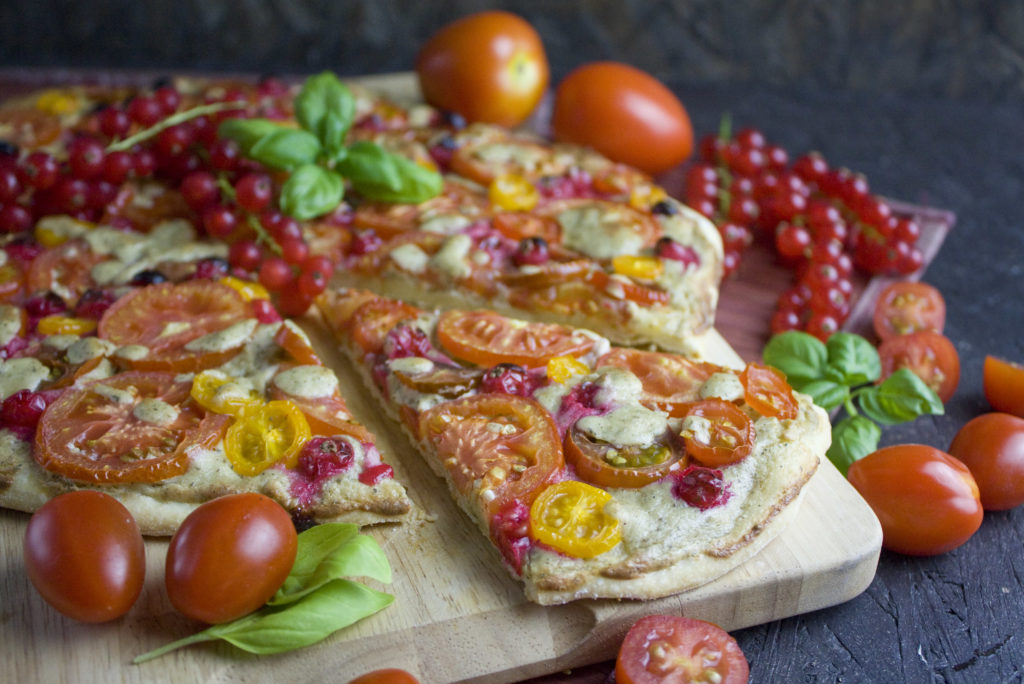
[(380, 175), (826, 394), (854, 359), (247, 132), (286, 148), (311, 191), (326, 108), (901, 397), (313, 618), (333, 136), (331, 551), (853, 438), (802, 357)]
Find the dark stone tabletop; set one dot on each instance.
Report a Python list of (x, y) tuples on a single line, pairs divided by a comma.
[(926, 98)]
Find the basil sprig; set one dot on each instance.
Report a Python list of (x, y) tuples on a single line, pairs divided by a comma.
[(316, 599), (318, 159), (843, 373)]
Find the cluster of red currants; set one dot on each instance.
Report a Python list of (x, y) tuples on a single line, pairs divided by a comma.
[(822, 222)]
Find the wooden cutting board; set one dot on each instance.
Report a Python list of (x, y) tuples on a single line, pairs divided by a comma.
[(457, 614)]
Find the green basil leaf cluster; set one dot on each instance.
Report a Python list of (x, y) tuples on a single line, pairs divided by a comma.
[(319, 161), (843, 372), (317, 598)]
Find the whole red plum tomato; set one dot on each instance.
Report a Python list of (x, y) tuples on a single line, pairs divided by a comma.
[(992, 447), (926, 500), (488, 67), (1004, 385), (625, 114), (229, 557), (85, 556)]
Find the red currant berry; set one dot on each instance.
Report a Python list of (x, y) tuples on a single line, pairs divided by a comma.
[(812, 167), (822, 325), (906, 229), (85, 158), (117, 167), (224, 155), (294, 251), (245, 254), (145, 162), (40, 170), (791, 241), (264, 311), (173, 141), (71, 194), (212, 268), (15, 218), (875, 212), (253, 192), (750, 137), (102, 193), (667, 248), (114, 122), (10, 184), (319, 264), (312, 283), (747, 161), (200, 190), (776, 158), (219, 220), (168, 98), (784, 320), (743, 209), (531, 251), (293, 301), (735, 236), (145, 111), (286, 229), (275, 273)]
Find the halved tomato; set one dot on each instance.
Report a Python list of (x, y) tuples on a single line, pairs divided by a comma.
[(272, 433), (1004, 385), (293, 340), (629, 289), (671, 648), (518, 225), (131, 427), (570, 516), (501, 154), (717, 433), (495, 447), (609, 465), (931, 356), (167, 317), (326, 416), (905, 307), (767, 392), (65, 269), (487, 339), (29, 127), (670, 382)]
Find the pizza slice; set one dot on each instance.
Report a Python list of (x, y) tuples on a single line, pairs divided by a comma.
[(135, 364), (595, 471)]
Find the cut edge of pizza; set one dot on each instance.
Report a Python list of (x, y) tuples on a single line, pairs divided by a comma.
[(595, 471), (174, 393)]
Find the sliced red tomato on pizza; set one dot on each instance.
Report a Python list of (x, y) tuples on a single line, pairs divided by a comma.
[(717, 432), (628, 466), (767, 392), (131, 427), (487, 339), (65, 270), (374, 318), (670, 382), (495, 447), (186, 327)]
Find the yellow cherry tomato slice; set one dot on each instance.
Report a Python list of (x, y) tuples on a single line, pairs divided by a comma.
[(220, 393), (65, 325), (271, 433), (570, 517), (561, 368)]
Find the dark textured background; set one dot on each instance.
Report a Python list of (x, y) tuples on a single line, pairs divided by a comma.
[(924, 96)]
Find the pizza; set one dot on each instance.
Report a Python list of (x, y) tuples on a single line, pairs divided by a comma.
[(166, 393), (595, 471), (160, 243)]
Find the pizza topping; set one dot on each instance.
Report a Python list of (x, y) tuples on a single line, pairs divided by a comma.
[(621, 465), (767, 392), (513, 192), (723, 385), (155, 411), (375, 474), (667, 248), (701, 487), (321, 459), (570, 517), (510, 532), (604, 230), (509, 378), (132, 352), (61, 342), (487, 339), (309, 382), (451, 258), (669, 382), (410, 257), (88, 348), (25, 373), (272, 433), (626, 425), (532, 251), (230, 337), (411, 365), (641, 267), (717, 433), (12, 323), (218, 392), (91, 433), (561, 368)]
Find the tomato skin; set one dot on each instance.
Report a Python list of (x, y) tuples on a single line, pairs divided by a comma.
[(388, 675), (625, 114), (229, 557), (730, 432), (1004, 385), (93, 572), (488, 67), (487, 339), (905, 307), (767, 392), (690, 651), (586, 457), (670, 382), (927, 501), (930, 355), (992, 447)]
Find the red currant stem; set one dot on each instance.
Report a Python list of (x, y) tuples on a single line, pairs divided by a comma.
[(225, 186), (262, 236), (172, 120), (725, 127)]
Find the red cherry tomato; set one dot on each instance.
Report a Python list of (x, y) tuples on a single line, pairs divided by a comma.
[(229, 557), (91, 572), (669, 648), (623, 113), (767, 392), (929, 354), (386, 676), (992, 447), (729, 436), (489, 67), (906, 307), (1004, 385), (926, 500)]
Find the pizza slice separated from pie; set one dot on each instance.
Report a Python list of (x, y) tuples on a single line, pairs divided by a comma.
[(595, 471), (169, 394)]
